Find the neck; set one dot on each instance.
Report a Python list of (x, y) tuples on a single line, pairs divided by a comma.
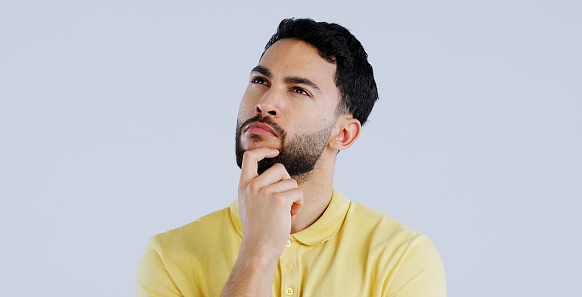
[(317, 189)]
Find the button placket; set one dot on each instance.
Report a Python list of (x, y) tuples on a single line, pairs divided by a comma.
[(289, 269)]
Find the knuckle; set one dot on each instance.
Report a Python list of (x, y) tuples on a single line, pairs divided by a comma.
[(279, 166), (269, 191), (253, 186), (247, 155), (298, 193), (279, 199)]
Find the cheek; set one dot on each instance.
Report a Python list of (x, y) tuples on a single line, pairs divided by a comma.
[(246, 107), (320, 119)]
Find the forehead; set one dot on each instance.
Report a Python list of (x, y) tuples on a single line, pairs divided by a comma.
[(295, 58)]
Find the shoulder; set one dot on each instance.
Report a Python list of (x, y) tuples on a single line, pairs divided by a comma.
[(175, 262), (371, 219), (406, 258), (380, 231), (206, 229)]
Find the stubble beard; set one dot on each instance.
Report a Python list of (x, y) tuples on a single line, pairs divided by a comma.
[(298, 155)]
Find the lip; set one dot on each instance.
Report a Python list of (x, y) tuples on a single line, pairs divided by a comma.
[(260, 129)]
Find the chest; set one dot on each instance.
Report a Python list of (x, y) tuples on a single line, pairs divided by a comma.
[(327, 270)]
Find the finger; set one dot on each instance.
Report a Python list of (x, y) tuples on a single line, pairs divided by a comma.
[(250, 162), (295, 209), (271, 176), (289, 197), (296, 206), (280, 186), (293, 198)]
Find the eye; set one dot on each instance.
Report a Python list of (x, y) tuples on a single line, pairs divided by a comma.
[(259, 80), (300, 91)]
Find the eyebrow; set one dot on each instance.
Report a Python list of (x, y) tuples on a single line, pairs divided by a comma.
[(262, 70), (290, 80)]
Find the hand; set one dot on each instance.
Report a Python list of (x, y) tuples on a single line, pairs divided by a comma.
[(267, 203)]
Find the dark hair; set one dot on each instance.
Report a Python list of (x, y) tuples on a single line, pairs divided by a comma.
[(354, 75)]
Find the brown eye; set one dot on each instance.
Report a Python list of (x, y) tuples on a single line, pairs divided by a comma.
[(300, 91), (258, 80)]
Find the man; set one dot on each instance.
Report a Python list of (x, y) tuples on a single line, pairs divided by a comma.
[(290, 232)]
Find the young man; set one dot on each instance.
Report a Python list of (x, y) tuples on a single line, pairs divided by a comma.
[(290, 233)]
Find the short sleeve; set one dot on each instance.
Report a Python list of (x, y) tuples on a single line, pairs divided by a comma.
[(153, 278), (421, 272)]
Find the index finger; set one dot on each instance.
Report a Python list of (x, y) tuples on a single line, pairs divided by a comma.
[(251, 160)]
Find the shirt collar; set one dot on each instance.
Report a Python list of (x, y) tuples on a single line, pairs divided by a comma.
[(319, 232)]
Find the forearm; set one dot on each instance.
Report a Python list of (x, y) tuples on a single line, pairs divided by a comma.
[(252, 275)]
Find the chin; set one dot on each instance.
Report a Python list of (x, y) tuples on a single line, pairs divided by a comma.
[(256, 141)]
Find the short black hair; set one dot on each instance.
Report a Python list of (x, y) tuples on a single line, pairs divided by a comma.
[(354, 76)]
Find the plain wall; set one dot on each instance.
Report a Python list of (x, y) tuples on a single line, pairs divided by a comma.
[(117, 122)]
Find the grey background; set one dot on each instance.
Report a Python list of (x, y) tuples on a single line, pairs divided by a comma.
[(117, 122)]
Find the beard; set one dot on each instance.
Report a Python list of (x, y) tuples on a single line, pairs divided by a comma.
[(298, 155)]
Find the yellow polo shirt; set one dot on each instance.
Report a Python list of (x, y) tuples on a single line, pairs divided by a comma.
[(351, 250)]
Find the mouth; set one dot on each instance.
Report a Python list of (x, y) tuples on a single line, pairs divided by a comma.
[(259, 128)]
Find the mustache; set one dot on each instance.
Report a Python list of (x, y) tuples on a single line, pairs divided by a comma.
[(266, 120)]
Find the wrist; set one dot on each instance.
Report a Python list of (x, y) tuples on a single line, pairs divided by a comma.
[(252, 274), (260, 258)]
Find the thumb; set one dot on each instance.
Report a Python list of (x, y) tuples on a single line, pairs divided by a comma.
[(295, 209)]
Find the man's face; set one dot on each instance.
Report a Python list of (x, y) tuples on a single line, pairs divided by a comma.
[(289, 105)]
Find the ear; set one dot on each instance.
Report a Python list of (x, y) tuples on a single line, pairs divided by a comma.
[(347, 130)]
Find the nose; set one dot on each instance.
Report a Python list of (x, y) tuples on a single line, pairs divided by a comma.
[(270, 104)]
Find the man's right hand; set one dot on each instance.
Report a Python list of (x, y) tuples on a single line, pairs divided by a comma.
[(267, 203)]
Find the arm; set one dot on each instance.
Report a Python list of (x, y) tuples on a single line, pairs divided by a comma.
[(267, 203), (153, 279)]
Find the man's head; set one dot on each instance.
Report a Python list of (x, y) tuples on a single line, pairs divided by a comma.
[(310, 91), (354, 75)]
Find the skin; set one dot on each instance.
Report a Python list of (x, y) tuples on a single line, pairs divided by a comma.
[(298, 92)]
